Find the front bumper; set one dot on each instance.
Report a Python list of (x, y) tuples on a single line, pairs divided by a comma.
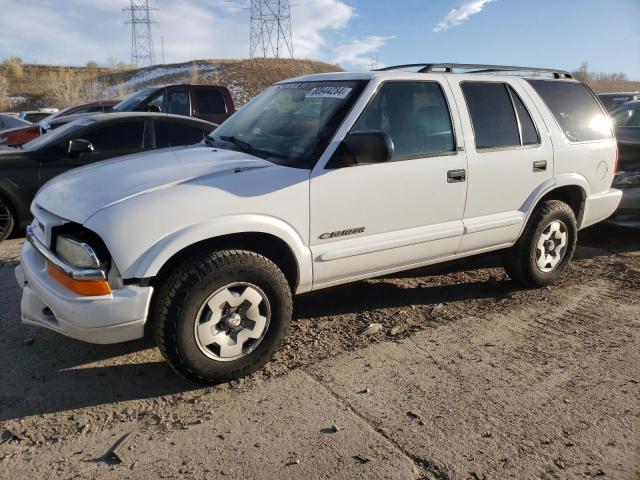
[(117, 317), (600, 206), (628, 212)]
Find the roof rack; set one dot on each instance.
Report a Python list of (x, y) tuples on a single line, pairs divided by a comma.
[(475, 68)]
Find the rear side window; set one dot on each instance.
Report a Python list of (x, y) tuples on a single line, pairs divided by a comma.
[(210, 102), (527, 127), (575, 109), (414, 114), (121, 136), (499, 118), (177, 134)]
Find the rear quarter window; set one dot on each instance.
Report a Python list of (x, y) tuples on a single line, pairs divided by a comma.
[(576, 110)]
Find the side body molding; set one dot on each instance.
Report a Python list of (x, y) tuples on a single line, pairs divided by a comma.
[(149, 264)]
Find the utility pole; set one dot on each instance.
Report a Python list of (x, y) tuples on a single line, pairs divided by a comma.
[(270, 29), (142, 51)]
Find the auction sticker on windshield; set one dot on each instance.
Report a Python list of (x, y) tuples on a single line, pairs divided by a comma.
[(329, 92)]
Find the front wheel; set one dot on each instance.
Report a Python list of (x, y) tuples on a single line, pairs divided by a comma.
[(222, 315), (545, 247)]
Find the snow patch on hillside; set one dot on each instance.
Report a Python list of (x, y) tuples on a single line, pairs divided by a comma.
[(149, 75)]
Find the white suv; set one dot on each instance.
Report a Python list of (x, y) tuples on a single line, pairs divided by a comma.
[(320, 180)]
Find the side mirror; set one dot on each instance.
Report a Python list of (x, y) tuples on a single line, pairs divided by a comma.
[(78, 146), (369, 146)]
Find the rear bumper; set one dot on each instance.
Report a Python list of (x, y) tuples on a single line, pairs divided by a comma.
[(628, 212), (117, 317), (600, 206)]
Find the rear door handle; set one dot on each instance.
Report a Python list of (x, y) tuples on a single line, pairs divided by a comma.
[(540, 166), (455, 176)]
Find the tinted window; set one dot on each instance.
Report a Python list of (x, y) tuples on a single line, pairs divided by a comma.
[(494, 120), (176, 134), (131, 102), (177, 103), (414, 114), (575, 109), (527, 127), (627, 117), (210, 102), (127, 135)]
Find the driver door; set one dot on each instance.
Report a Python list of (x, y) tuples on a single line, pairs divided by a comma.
[(372, 219)]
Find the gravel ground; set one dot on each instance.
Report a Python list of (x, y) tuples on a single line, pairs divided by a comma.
[(470, 376)]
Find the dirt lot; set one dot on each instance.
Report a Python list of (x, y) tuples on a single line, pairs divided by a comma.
[(470, 377)]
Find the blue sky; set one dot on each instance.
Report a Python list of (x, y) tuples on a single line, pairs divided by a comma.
[(354, 33)]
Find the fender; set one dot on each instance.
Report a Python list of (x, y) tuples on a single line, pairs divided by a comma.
[(149, 264), (560, 180)]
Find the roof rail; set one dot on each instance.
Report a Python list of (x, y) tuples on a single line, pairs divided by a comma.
[(475, 68)]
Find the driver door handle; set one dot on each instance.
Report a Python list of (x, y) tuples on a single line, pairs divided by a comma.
[(456, 176)]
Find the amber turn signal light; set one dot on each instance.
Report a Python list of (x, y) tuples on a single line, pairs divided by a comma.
[(81, 287)]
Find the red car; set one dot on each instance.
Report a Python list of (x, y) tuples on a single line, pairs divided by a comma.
[(22, 135)]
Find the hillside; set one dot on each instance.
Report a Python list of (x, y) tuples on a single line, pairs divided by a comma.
[(33, 86), (39, 86)]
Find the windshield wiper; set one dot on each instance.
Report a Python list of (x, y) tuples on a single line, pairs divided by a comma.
[(208, 141), (236, 141)]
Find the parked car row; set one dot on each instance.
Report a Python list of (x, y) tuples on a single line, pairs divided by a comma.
[(207, 102)]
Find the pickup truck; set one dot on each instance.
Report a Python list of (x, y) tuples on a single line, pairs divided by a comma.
[(212, 103)]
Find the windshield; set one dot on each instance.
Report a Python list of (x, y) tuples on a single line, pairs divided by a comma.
[(132, 101), (289, 123), (55, 135)]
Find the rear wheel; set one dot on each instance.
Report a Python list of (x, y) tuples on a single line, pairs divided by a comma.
[(222, 315), (545, 247), (7, 220)]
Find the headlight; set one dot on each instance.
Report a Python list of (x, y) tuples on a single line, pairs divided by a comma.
[(627, 179), (76, 253)]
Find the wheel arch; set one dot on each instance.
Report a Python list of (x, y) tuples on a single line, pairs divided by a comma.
[(573, 189), (269, 237), (266, 244)]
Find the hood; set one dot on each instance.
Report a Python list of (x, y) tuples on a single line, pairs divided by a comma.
[(78, 194)]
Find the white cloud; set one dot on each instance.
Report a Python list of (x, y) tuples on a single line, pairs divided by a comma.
[(355, 52), (75, 31), (458, 16)]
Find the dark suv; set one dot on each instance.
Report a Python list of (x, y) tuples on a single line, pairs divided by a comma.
[(207, 102)]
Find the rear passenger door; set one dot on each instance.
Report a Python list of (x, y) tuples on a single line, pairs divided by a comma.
[(510, 157)]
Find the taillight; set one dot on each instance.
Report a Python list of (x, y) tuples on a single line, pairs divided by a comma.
[(615, 165)]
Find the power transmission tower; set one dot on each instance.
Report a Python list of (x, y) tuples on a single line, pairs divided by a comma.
[(270, 32), (142, 51)]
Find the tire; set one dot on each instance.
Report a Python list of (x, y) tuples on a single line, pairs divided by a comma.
[(252, 306), (533, 261), (7, 220)]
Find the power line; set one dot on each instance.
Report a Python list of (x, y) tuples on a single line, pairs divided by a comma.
[(270, 29), (142, 51)]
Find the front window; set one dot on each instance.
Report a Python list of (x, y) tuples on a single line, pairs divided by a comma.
[(289, 123), (131, 102), (55, 135)]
